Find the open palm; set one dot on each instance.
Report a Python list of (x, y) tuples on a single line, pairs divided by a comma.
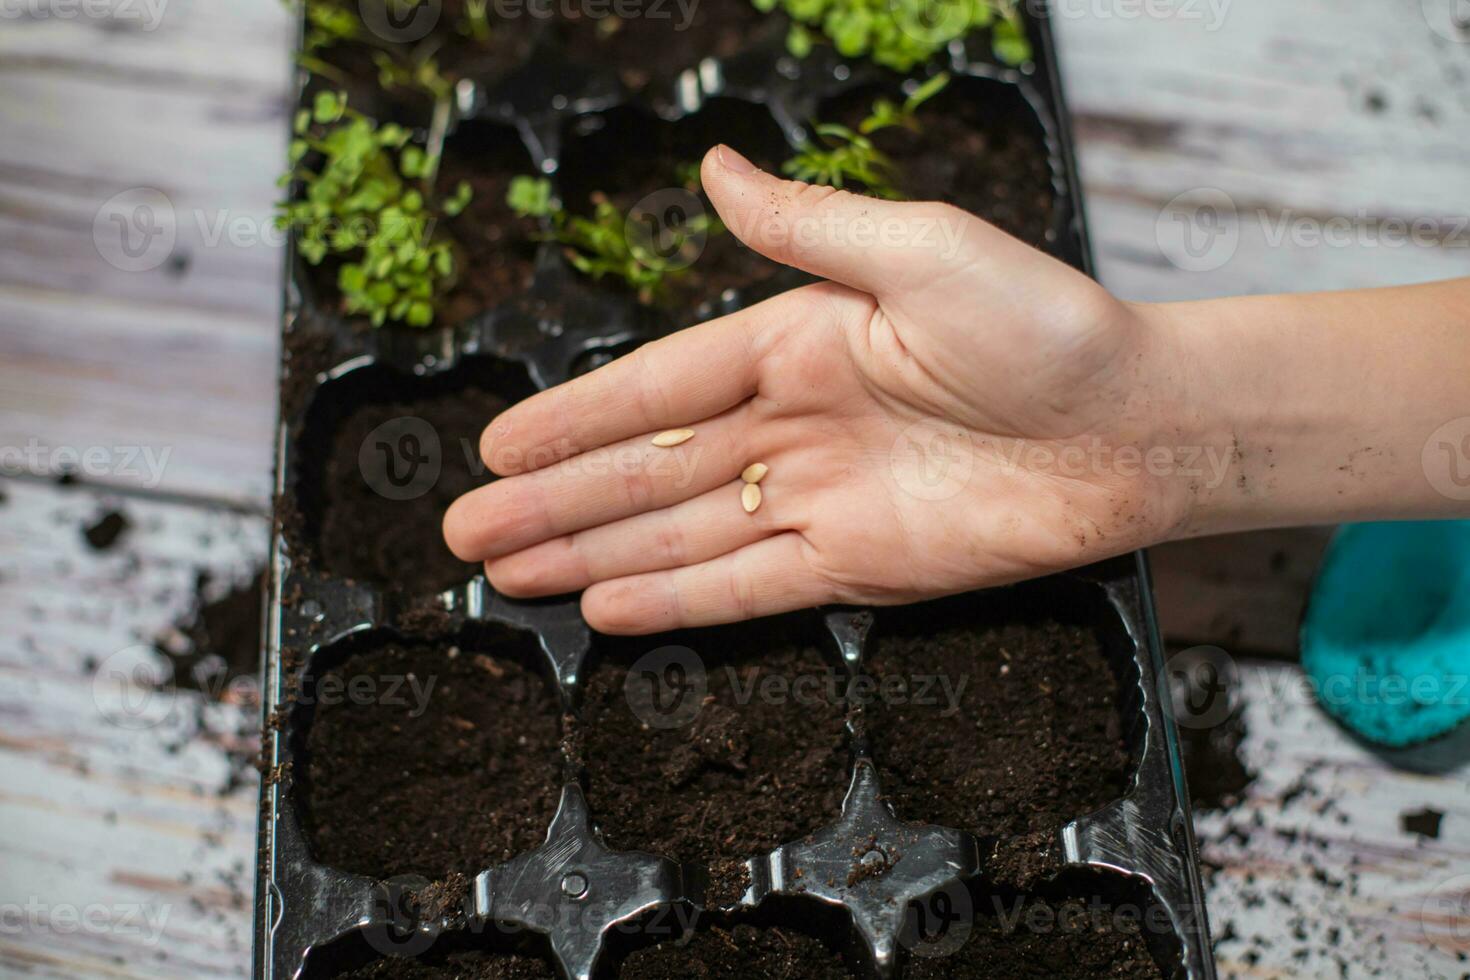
[(951, 409)]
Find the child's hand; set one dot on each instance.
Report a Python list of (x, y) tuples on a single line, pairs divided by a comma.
[(944, 414)]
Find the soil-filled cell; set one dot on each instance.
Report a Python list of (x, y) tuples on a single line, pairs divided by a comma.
[(742, 952), (994, 720), (718, 752), (383, 455), (430, 760)]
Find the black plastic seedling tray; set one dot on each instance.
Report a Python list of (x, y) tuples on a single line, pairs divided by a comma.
[(573, 900)]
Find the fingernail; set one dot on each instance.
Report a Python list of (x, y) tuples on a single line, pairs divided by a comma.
[(734, 162)]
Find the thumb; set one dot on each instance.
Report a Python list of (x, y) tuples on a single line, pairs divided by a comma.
[(866, 243)]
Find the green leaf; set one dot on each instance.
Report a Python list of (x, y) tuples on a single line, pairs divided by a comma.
[(529, 196), (328, 107), (456, 204), (798, 41)]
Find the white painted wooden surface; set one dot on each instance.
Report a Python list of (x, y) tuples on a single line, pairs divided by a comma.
[(1272, 108), (117, 810)]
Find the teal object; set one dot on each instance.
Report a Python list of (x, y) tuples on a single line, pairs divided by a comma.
[(1386, 638)]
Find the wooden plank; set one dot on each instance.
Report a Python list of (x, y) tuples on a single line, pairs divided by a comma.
[(131, 814), (179, 356), (1314, 874), (1315, 108)]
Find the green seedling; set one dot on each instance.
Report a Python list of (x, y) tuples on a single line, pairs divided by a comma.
[(603, 245), (840, 155), (366, 200), (900, 34), (400, 65)]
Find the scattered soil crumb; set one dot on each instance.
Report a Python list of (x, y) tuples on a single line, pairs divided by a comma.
[(104, 532), (1423, 822), (455, 966)]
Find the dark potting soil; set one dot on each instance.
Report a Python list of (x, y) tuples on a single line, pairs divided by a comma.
[(1032, 741), (497, 250), (400, 543), (659, 44), (968, 154), (103, 532), (452, 773), (1066, 939), (1216, 773), (456, 966), (219, 641), (748, 772), (744, 952)]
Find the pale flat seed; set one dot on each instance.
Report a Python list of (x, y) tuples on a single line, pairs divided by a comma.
[(673, 437), (755, 472), (750, 497)]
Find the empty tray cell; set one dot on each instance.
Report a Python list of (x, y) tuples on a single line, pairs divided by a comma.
[(979, 145), (384, 454), (997, 712), (647, 168), (712, 746), (1079, 926), (657, 41), (427, 759)]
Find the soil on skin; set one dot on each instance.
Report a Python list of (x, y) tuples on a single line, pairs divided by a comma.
[(497, 252), (453, 777), (969, 155), (1035, 740), (456, 966), (1067, 939), (743, 952), (103, 533), (400, 543), (738, 780), (646, 49)]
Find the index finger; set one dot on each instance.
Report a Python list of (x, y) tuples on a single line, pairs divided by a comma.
[(690, 375)]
